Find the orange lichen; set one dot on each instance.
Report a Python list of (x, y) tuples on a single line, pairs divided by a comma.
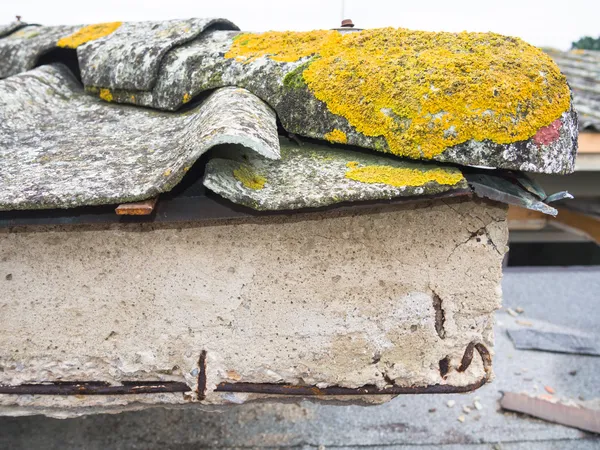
[(249, 178), (282, 46), (106, 95), (337, 136), (88, 33), (423, 91), (186, 97), (402, 176)]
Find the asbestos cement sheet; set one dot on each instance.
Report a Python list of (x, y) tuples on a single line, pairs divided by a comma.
[(62, 148), (311, 176)]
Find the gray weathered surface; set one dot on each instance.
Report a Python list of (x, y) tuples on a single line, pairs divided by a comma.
[(314, 176), (129, 57), (61, 148), (582, 69), (200, 65), (164, 65), (557, 156), (20, 50)]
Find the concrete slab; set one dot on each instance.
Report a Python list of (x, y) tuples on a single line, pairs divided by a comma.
[(393, 296)]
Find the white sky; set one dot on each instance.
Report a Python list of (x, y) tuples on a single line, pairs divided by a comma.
[(543, 23)]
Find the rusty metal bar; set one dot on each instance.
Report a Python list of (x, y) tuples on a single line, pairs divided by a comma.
[(468, 357), (202, 376), (95, 388), (100, 388), (152, 387), (288, 389)]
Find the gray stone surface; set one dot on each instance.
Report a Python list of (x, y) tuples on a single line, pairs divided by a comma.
[(563, 297), (316, 175), (582, 69), (129, 57), (61, 148), (21, 50)]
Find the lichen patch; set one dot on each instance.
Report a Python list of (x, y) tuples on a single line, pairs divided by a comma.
[(337, 136), (401, 176), (246, 175), (88, 33), (106, 95), (422, 91)]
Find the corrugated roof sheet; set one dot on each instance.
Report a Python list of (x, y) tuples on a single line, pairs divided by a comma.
[(64, 145), (61, 148), (582, 69), (316, 175)]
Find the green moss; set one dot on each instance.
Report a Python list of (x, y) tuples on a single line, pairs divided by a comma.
[(294, 79)]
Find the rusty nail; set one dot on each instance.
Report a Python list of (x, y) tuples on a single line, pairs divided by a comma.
[(202, 376)]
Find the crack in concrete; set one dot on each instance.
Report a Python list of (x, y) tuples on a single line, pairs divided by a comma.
[(440, 316), (474, 234)]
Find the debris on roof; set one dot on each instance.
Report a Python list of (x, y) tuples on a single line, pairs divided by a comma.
[(582, 69), (553, 411), (62, 148), (502, 189), (480, 99), (554, 342)]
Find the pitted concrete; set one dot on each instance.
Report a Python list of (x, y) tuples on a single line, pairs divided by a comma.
[(321, 299)]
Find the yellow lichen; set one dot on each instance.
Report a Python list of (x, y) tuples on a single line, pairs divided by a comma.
[(88, 33), (249, 178), (423, 91), (337, 136), (106, 95), (186, 97), (402, 176)]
